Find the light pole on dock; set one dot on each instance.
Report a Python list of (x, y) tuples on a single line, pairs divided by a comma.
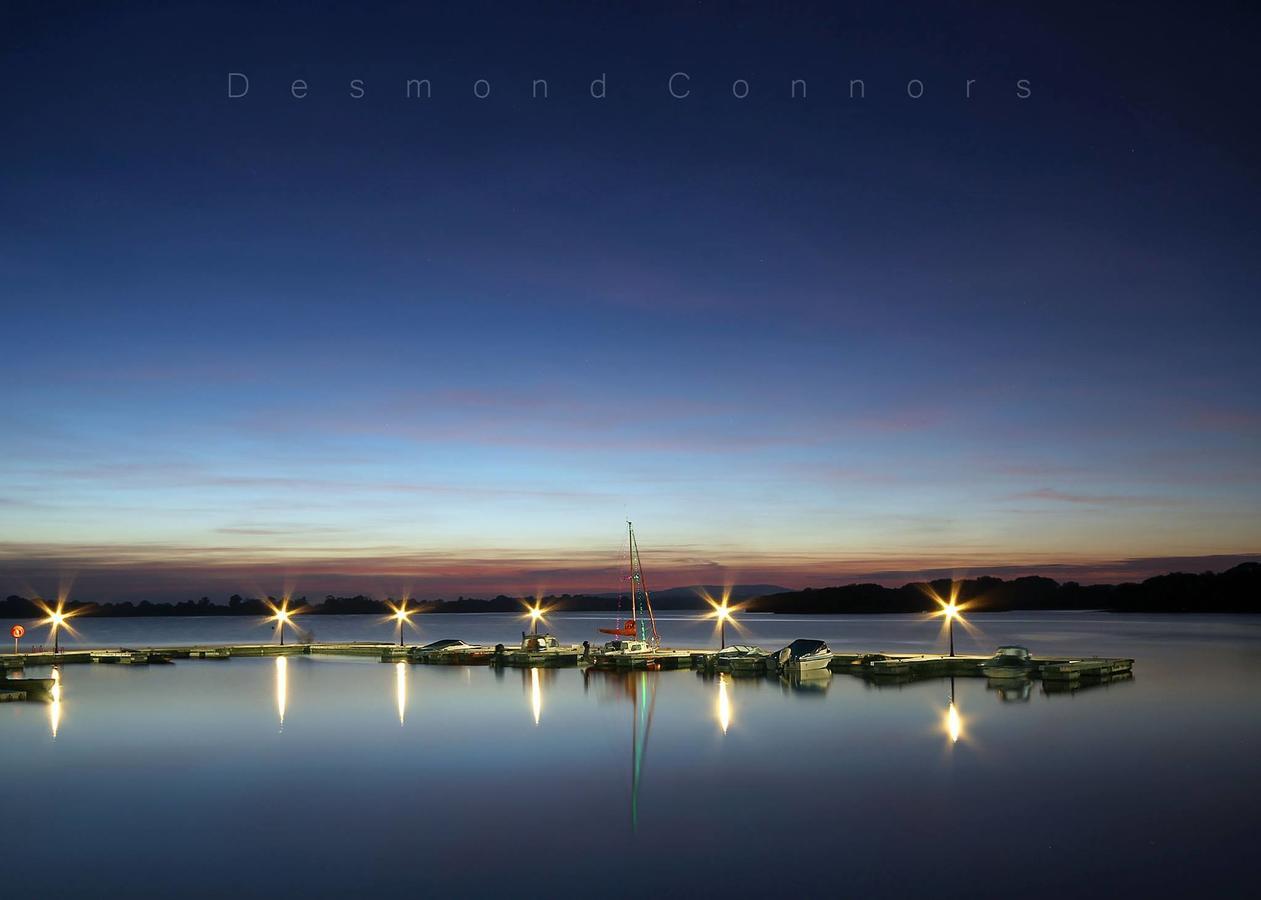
[(57, 619), (402, 615), (535, 613), (952, 612), (282, 615), (722, 612)]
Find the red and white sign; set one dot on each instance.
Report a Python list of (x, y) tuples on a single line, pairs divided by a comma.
[(16, 632)]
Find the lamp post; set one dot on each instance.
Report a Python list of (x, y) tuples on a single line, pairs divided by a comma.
[(952, 612), (536, 613), (58, 619), (282, 616), (722, 612), (401, 615)]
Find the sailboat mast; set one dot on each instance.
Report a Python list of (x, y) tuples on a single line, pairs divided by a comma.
[(630, 560), (637, 578)]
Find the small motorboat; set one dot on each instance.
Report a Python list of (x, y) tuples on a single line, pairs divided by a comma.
[(448, 644), (451, 652), (543, 650), (1009, 662), (742, 659), (625, 654), (802, 655), (535, 643)]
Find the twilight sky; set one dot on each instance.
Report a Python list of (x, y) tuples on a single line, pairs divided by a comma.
[(449, 345)]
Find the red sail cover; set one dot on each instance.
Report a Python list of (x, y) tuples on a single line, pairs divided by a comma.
[(627, 629)]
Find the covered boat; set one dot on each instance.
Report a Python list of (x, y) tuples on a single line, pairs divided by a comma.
[(803, 655), (742, 659), (1009, 662)]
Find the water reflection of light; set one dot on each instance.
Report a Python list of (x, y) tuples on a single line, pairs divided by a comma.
[(400, 689), (724, 704), (536, 695), (54, 708), (954, 725), (282, 688)]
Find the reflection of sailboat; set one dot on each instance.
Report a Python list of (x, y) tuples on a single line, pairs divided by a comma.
[(282, 688), (644, 691), (638, 631), (641, 688)]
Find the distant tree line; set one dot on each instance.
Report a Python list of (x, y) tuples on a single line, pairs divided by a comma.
[(1235, 590)]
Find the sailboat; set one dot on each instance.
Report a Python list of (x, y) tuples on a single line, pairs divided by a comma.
[(635, 635)]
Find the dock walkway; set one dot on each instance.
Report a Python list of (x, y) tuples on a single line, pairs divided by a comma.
[(876, 666)]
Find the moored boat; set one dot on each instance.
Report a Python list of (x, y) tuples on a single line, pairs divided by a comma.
[(450, 651), (624, 654), (1009, 662), (543, 650), (742, 659), (802, 655), (635, 635)]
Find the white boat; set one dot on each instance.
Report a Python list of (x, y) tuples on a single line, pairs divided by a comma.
[(1009, 662), (741, 660), (533, 643), (802, 655), (543, 650), (626, 648)]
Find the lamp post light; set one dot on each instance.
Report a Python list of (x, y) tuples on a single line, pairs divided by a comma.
[(952, 612), (723, 613), (282, 615), (56, 619), (402, 615), (535, 613)]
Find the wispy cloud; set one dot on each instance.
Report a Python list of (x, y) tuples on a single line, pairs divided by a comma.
[(1054, 495)]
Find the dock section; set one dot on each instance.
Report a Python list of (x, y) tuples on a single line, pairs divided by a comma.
[(881, 667)]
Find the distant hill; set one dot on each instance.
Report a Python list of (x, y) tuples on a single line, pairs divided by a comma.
[(1235, 590)]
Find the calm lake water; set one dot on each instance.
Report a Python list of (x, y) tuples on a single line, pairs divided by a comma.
[(333, 777)]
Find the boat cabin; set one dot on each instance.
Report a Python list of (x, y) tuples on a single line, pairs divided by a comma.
[(533, 643)]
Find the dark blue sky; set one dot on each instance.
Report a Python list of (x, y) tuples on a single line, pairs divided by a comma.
[(451, 343)]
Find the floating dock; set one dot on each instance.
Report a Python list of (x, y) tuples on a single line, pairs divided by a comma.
[(1064, 671)]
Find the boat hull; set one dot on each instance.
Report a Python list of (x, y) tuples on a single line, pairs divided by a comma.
[(811, 663), (1006, 673)]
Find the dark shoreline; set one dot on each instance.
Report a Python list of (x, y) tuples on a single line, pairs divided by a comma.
[(1236, 590)]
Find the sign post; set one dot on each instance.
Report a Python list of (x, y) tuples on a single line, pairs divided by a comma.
[(16, 633)]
